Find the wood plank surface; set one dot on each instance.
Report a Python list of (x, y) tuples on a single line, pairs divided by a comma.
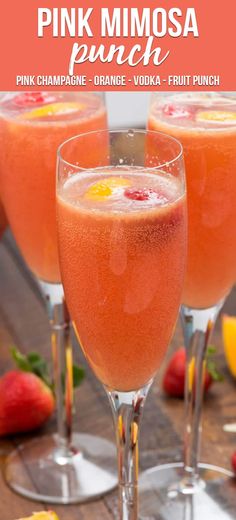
[(23, 323)]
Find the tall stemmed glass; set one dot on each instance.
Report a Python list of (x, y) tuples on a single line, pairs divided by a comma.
[(122, 243), (205, 123), (63, 468)]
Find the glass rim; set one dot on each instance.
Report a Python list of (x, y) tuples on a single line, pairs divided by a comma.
[(121, 131), (228, 97)]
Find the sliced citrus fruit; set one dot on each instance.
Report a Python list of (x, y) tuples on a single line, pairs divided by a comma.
[(42, 515), (98, 191), (229, 338), (53, 109), (105, 188), (218, 116)]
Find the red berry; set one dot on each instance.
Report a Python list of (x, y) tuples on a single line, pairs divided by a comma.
[(26, 402), (233, 462), (177, 111), (134, 194), (173, 381), (29, 99), (207, 381), (174, 378), (145, 194)]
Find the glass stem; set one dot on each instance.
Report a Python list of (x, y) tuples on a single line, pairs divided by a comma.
[(127, 411), (197, 328), (62, 365)]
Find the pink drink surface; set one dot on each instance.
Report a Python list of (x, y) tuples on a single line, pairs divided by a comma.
[(206, 127), (122, 249), (31, 129)]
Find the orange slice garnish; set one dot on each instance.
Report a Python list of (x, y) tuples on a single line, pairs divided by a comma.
[(53, 109), (105, 188), (229, 339), (218, 116), (42, 515), (98, 191)]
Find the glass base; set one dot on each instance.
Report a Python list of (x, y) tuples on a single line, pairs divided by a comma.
[(37, 470), (163, 496)]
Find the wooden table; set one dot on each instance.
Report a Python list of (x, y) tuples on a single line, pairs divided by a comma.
[(23, 322)]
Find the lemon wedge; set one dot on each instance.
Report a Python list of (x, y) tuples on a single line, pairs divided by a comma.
[(229, 339), (42, 515), (218, 116), (53, 109), (105, 188)]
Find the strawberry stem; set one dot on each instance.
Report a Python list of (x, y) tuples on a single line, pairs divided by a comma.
[(212, 366), (36, 364)]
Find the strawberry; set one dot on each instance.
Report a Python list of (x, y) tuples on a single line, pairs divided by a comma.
[(174, 377), (26, 394), (26, 402), (178, 111), (144, 194), (138, 194), (233, 462), (31, 99), (173, 381)]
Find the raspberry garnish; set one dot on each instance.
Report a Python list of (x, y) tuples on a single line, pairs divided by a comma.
[(177, 111), (144, 194), (138, 194), (30, 99)]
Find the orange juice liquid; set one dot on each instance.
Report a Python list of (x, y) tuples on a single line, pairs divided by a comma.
[(30, 132), (122, 265), (206, 127)]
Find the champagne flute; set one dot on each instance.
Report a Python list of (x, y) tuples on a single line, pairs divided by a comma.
[(122, 237), (205, 124), (64, 468)]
